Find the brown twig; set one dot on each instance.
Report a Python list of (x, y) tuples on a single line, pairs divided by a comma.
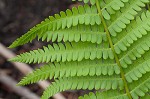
[(21, 91), (25, 69)]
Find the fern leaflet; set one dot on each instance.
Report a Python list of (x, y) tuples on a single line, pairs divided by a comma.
[(104, 46)]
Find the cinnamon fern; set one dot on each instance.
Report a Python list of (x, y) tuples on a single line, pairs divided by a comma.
[(102, 45)]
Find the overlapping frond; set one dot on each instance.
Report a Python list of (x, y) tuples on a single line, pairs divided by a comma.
[(123, 17), (94, 82), (70, 69), (135, 53), (109, 7), (138, 89), (134, 31), (138, 71), (66, 52)]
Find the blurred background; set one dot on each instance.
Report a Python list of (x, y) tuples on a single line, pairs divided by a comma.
[(16, 18)]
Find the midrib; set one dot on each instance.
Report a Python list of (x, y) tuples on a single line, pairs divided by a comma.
[(112, 47)]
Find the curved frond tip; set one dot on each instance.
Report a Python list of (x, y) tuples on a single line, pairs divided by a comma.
[(82, 15)]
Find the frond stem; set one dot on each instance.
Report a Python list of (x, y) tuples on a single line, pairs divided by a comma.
[(148, 6), (112, 47)]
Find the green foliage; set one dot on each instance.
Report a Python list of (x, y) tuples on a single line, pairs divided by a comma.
[(67, 69), (104, 46), (68, 52)]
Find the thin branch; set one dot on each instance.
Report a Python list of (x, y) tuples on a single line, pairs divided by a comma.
[(148, 6), (21, 91), (25, 69)]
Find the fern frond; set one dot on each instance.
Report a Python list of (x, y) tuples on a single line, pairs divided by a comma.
[(138, 89), (138, 71), (88, 82), (135, 30), (106, 45), (146, 96), (135, 53), (67, 52), (108, 6), (80, 15), (70, 69), (138, 68), (125, 15), (78, 33)]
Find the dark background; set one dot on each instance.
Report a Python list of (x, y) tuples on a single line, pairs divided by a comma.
[(16, 18)]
